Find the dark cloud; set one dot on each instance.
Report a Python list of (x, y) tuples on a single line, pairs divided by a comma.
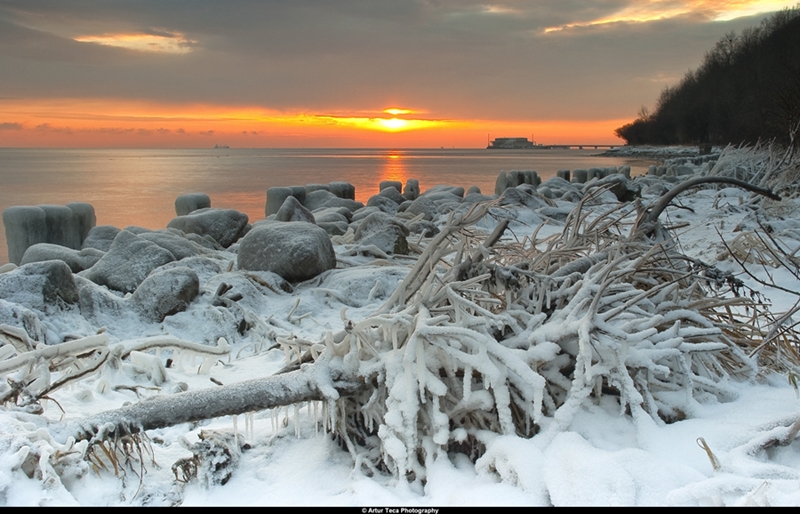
[(10, 126), (454, 59)]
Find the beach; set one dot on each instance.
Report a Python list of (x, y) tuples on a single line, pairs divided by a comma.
[(579, 357)]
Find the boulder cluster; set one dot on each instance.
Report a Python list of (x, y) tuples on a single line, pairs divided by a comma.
[(67, 262)]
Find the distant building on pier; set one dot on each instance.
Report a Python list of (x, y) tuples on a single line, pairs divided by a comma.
[(510, 143)]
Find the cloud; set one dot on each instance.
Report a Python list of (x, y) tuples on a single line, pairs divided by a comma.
[(10, 126), (454, 59)]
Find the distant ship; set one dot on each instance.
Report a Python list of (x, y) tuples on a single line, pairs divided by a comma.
[(220, 147)]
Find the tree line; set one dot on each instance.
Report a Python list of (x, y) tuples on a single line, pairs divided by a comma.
[(746, 89)]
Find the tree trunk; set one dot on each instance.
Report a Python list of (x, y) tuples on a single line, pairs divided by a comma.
[(311, 383)]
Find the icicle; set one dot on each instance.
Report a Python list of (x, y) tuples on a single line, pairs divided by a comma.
[(235, 425), (296, 421)]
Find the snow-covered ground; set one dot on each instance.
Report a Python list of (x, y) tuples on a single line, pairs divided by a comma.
[(718, 455)]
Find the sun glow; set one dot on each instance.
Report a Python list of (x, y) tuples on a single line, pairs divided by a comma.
[(77, 123)]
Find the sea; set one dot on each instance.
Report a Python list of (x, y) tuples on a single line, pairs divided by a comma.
[(138, 187)]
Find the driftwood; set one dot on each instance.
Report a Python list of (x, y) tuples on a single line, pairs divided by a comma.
[(319, 382), (647, 223)]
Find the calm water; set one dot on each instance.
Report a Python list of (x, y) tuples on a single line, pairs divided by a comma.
[(139, 187)]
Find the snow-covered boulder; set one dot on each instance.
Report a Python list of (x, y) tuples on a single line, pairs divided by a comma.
[(322, 198), (293, 210), (180, 247), (411, 192), (84, 218), (275, 198), (396, 184), (127, 263), (225, 226), (40, 286), (624, 189), (165, 292), (77, 260), (384, 232), (423, 205), (383, 203), (191, 202), (100, 237), (344, 190), (392, 194), (56, 224), (61, 227), (294, 250)]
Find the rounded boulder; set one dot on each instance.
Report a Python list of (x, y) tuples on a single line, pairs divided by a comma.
[(295, 250)]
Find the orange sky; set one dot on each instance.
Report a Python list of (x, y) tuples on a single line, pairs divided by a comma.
[(382, 74), (78, 123)]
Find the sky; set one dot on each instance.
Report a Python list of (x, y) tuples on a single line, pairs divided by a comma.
[(345, 73)]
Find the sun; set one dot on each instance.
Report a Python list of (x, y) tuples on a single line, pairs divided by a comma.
[(393, 123)]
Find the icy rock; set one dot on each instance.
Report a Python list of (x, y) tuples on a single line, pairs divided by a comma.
[(383, 231), (179, 246), (333, 215), (517, 196), (360, 286), (127, 263), (476, 197), (411, 192), (579, 176), (25, 226), (425, 228), (190, 202), (392, 194), (310, 188), (296, 251), (362, 213), (275, 198), (225, 226), (396, 184), (473, 190), (344, 190), (298, 192), (424, 205), (563, 174), (100, 237), (206, 267), (99, 304), (293, 210), (623, 188), (321, 199), (457, 191), (77, 260), (61, 227), (84, 218), (593, 173), (335, 228), (137, 230), (16, 315), (165, 292), (383, 203), (40, 285)]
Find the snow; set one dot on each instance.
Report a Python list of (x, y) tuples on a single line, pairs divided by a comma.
[(595, 453)]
